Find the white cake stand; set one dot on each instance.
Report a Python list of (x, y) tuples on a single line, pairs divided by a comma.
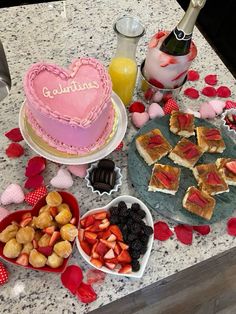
[(61, 158)]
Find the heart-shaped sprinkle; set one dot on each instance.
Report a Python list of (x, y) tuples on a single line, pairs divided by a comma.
[(35, 166), (170, 105), (14, 150), (3, 213), (79, 171), (231, 226), (13, 194), (33, 197), (217, 106), (14, 135), (229, 104), (184, 234), (211, 79), (139, 119), (71, 278), (155, 110), (206, 111), (193, 75), (203, 230), (191, 93), (62, 180), (209, 91), (34, 182), (137, 106), (162, 231), (223, 91)]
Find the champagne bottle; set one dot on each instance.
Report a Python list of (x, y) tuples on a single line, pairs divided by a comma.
[(179, 40)]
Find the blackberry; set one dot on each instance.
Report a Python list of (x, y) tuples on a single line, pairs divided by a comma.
[(135, 217), (114, 220), (144, 239), (130, 223), (135, 265), (147, 230), (134, 254), (124, 228), (136, 245), (124, 212), (114, 211), (135, 207), (123, 220), (125, 236), (131, 237), (141, 213), (122, 205), (143, 249), (135, 228)]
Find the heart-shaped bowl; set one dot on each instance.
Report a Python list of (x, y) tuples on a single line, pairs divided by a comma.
[(148, 220), (16, 216)]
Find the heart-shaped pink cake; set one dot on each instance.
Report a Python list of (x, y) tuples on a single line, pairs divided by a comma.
[(70, 109)]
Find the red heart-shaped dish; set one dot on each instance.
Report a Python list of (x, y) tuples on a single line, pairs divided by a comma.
[(69, 199)]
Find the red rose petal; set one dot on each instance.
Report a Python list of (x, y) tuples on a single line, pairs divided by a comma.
[(193, 75), (35, 166), (14, 135), (34, 182), (229, 104), (211, 79), (223, 91), (203, 230), (149, 94), (85, 293), (95, 276), (72, 278), (209, 91), (14, 150), (32, 197), (231, 226), (191, 93), (184, 234), (137, 106), (162, 231)]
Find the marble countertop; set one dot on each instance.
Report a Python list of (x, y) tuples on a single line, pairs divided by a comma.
[(59, 32)]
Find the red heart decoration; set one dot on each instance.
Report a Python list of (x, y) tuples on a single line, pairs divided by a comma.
[(17, 215), (33, 197)]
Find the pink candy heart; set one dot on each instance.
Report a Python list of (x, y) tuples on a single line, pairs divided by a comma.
[(217, 105), (79, 171), (155, 111), (62, 180), (206, 111), (195, 113), (3, 213), (157, 97), (139, 119), (12, 195)]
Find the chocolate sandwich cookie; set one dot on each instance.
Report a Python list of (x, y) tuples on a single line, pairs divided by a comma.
[(112, 179), (102, 187), (107, 164)]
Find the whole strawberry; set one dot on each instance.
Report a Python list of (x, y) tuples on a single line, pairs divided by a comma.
[(3, 274)]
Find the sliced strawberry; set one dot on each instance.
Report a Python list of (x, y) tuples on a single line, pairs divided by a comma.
[(155, 141), (124, 257), (110, 254), (89, 221), (94, 227), (111, 238), (231, 166), (55, 236), (35, 244), (213, 178), (191, 153), (106, 234), (126, 269), (110, 265), (90, 237), (112, 260), (100, 215), (165, 178), (187, 147), (213, 135), (82, 222), (23, 259), (53, 211), (25, 222), (111, 245), (116, 231), (86, 247), (184, 120), (123, 245), (73, 221), (49, 230), (117, 249), (81, 234), (95, 255), (197, 199), (45, 250), (104, 225), (96, 262), (26, 215), (101, 249)]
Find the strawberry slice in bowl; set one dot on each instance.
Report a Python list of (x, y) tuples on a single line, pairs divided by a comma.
[(110, 252)]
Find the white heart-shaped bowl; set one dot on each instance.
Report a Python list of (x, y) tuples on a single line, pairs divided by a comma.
[(148, 220)]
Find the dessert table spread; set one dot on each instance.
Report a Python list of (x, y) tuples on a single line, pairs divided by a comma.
[(58, 32)]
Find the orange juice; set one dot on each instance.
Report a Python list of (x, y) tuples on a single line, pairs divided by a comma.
[(123, 72)]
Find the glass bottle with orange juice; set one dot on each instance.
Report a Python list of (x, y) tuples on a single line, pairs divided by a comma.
[(123, 66)]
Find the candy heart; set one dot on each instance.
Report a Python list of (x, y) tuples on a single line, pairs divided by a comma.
[(12, 195), (206, 111), (3, 213), (195, 113), (33, 197), (79, 171), (62, 180), (17, 217), (139, 119), (157, 97), (155, 111), (217, 105)]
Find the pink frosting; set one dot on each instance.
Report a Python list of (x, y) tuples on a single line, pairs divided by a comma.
[(71, 110)]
